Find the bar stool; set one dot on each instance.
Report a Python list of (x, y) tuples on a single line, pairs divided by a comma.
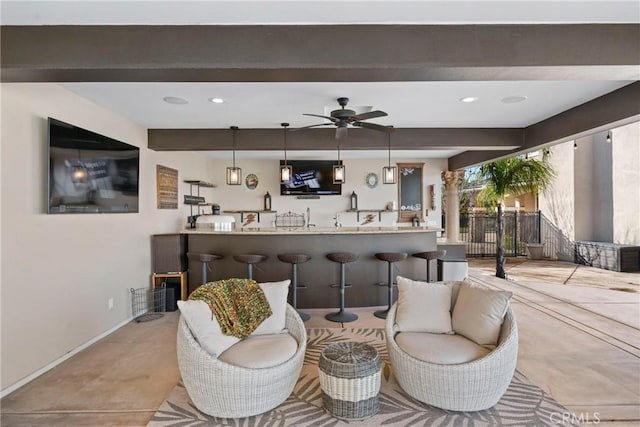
[(390, 258), (342, 258), (294, 260), (430, 256), (205, 259), (250, 259)]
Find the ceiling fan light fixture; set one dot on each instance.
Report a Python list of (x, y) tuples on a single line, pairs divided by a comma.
[(285, 170), (234, 174)]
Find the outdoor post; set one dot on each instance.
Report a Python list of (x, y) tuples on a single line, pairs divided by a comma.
[(452, 180)]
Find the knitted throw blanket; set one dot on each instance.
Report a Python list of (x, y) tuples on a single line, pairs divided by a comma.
[(239, 305)]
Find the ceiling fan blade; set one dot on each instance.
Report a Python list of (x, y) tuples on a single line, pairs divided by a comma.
[(341, 132), (333, 119), (311, 126), (369, 115), (373, 126)]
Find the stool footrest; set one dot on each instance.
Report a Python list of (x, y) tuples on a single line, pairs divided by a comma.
[(301, 287), (385, 284), (337, 286)]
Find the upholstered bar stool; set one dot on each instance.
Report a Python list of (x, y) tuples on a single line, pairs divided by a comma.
[(205, 259), (343, 258), (430, 256), (390, 258), (250, 260), (294, 260)]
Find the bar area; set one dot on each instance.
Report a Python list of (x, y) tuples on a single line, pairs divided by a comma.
[(316, 275)]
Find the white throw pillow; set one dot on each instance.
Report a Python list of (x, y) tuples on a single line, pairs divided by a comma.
[(205, 327), (479, 313), (423, 307), (276, 293)]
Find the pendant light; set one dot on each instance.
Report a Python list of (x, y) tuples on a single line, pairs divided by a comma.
[(234, 174), (389, 173), (339, 170), (285, 170), (608, 138)]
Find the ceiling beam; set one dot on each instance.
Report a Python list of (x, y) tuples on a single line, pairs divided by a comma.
[(322, 139), (611, 110), (268, 53)]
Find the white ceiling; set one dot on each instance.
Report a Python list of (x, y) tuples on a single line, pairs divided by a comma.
[(266, 105)]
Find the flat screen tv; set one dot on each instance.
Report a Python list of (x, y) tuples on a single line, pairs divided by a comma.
[(90, 173), (314, 177)]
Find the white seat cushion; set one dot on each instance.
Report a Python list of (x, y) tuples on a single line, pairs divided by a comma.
[(423, 307), (261, 351), (439, 348), (479, 313), (276, 293)]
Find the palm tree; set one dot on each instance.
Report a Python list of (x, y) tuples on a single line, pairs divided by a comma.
[(512, 176)]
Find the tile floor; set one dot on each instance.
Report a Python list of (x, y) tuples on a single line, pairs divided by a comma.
[(578, 342)]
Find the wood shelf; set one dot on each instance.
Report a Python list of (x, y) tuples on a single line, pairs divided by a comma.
[(255, 211), (379, 211), (200, 183)]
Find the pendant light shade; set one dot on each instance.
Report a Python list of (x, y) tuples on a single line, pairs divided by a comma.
[(339, 172), (285, 170), (234, 174), (389, 173), (608, 138)]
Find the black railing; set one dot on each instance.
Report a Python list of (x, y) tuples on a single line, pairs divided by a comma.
[(478, 231)]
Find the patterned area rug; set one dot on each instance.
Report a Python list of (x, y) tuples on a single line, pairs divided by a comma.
[(524, 404)]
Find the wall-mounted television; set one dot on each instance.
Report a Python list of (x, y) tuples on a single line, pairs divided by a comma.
[(90, 173), (311, 177)]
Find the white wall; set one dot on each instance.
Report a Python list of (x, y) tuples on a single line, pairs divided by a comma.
[(58, 271), (626, 184), (323, 210), (557, 202)]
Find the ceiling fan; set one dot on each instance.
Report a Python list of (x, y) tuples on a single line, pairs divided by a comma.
[(343, 117)]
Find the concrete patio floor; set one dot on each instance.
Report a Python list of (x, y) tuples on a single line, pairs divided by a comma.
[(579, 340), (579, 334)]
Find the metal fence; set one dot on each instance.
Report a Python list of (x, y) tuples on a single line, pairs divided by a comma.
[(478, 231)]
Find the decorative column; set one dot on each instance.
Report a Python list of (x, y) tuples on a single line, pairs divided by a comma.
[(452, 180)]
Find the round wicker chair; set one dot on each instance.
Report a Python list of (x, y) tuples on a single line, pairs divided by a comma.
[(471, 386), (227, 391)]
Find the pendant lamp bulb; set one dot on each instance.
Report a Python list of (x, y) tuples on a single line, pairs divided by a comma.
[(608, 139), (285, 170), (389, 172), (234, 174)]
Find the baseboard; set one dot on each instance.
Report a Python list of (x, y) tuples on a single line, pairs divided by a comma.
[(61, 359)]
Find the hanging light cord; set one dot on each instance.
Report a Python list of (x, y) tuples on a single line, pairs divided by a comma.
[(234, 129), (389, 141), (284, 129)]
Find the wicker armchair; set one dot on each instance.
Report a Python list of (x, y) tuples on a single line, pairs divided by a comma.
[(227, 391), (471, 386)]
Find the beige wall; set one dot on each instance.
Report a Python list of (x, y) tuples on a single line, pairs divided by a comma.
[(58, 271), (557, 202), (626, 184), (323, 210)]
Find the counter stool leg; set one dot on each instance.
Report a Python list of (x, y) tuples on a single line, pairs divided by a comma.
[(428, 270), (342, 316), (382, 314), (250, 271), (294, 296), (204, 272)]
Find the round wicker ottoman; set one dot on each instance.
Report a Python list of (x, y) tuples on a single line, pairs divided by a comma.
[(350, 380)]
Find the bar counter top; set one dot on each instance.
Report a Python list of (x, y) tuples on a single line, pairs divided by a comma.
[(310, 230)]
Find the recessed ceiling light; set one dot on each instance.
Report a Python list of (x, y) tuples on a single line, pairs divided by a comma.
[(216, 100), (468, 99), (513, 99), (174, 100)]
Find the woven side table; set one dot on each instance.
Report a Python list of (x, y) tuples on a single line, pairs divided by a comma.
[(350, 380)]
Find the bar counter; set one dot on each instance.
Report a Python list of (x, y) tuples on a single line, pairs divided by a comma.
[(318, 273)]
